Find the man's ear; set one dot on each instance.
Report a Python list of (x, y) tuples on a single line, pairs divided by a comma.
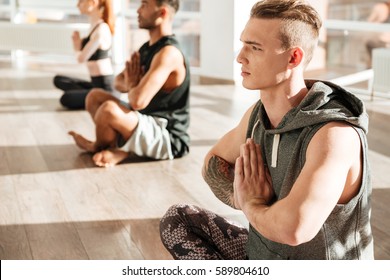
[(164, 11), (296, 56)]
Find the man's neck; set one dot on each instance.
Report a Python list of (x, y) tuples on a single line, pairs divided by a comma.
[(280, 101), (158, 32)]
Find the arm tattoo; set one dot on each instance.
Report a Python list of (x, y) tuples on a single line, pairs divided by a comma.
[(220, 176)]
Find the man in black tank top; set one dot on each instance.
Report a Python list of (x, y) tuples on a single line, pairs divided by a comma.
[(154, 121)]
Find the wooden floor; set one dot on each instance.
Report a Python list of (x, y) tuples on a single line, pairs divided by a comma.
[(55, 204)]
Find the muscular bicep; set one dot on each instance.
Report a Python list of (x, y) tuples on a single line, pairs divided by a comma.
[(331, 156)]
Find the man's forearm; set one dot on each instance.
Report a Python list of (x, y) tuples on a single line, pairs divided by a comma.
[(219, 175)]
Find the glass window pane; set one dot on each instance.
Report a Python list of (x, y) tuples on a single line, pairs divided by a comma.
[(347, 47)]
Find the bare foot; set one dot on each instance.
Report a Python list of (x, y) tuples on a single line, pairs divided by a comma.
[(107, 158), (82, 142)]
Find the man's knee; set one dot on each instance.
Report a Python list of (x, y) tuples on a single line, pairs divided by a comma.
[(108, 112), (95, 98)]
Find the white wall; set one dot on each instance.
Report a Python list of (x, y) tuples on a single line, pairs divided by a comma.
[(217, 50), (319, 56), (222, 22)]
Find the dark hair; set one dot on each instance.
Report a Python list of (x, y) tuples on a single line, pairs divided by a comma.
[(172, 3), (301, 23), (107, 14)]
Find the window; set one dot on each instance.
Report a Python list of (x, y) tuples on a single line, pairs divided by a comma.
[(351, 37)]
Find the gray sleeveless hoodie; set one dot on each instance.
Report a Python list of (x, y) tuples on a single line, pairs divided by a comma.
[(346, 234)]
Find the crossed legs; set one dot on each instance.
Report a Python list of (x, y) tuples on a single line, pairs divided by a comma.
[(110, 118)]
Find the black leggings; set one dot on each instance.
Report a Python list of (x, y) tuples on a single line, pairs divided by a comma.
[(76, 90), (192, 233)]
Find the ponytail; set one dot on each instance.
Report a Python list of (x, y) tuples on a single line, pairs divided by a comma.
[(108, 14)]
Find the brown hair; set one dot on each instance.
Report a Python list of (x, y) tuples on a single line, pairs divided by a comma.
[(300, 22), (106, 8), (172, 3)]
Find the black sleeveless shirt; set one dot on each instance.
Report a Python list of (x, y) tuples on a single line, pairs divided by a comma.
[(172, 106), (99, 53)]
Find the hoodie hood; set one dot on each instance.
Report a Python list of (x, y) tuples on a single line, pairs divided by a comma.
[(324, 102)]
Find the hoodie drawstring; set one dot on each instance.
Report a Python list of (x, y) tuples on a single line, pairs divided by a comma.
[(275, 148), (275, 145), (254, 127)]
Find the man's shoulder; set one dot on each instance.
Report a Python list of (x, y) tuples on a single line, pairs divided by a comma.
[(169, 40), (170, 54), (169, 44), (337, 135), (165, 45)]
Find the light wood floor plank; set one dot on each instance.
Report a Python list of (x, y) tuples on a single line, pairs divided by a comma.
[(55, 241), (145, 233), (14, 244), (108, 238)]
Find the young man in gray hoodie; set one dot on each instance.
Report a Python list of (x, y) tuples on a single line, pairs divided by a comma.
[(296, 164)]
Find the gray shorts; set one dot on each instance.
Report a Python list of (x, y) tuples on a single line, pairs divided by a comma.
[(150, 138)]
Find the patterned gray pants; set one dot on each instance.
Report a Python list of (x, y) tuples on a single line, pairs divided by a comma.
[(192, 233)]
